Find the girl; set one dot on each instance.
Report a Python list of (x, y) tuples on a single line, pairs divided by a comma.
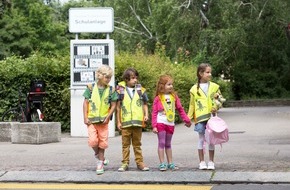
[(202, 105), (163, 115)]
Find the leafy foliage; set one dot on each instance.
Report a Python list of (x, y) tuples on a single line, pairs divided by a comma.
[(30, 26), (55, 71), (16, 72), (245, 42)]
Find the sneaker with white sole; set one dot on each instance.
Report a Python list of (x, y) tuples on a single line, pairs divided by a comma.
[(100, 167), (202, 165), (106, 162), (172, 166), (162, 167), (124, 167), (143, 167), (210, 165)]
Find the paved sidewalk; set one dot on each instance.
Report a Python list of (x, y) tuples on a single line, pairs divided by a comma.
[(258, 152)]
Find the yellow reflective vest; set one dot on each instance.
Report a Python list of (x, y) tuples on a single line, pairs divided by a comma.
[(132, 113), (201, 105), (99, 106)]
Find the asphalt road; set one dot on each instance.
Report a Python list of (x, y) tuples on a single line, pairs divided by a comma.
[(258, 152)]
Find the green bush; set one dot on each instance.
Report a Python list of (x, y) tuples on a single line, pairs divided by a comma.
[(150, 67), (16, 72)]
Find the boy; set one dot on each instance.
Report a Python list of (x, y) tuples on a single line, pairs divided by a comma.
[(132, 112), (98, 107)]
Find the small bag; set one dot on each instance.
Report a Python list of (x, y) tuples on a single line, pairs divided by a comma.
[(216, 131)]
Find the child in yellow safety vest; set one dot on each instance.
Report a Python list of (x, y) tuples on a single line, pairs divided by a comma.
[(165, 103), (203, 103), (132, 112), (98, 106)]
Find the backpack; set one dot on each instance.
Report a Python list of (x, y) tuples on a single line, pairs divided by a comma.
[(121, 91), (216, 131)]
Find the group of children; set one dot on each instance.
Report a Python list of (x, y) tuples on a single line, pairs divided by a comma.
[(130, 100)]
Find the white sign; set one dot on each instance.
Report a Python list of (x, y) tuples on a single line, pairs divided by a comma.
[(95, 20)]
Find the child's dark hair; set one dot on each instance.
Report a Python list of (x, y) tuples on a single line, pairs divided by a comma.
[(128, 73), (200, 69), (160, 86)]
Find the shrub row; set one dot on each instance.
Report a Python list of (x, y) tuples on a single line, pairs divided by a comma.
[(17, 73)]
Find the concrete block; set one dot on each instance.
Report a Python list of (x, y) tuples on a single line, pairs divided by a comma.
[(35, 132), (5, 132)]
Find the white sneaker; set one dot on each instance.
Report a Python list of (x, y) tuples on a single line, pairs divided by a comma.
[(210, 165), (202, 165)]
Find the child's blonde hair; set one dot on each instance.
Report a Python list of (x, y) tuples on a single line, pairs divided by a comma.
[(160, 86), (104, 71)]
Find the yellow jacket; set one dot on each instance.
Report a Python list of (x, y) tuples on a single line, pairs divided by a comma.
[(200, 106), (99, 107), (131, 108)]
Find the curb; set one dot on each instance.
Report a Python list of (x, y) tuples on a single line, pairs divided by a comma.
[(257, 103), (152, 177)]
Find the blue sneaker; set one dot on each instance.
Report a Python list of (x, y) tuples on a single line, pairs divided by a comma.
[(172, 166), (162, 167)]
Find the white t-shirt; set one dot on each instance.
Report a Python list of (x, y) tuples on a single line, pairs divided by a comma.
[(204, 87), (161, 116), (131, 91)]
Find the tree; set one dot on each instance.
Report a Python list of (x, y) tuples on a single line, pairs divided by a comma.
[(4, 5), (30, 26), (245, 41), (247, 45), (16, 35)]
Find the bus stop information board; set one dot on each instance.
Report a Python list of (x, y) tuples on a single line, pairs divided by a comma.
[(87, 56)]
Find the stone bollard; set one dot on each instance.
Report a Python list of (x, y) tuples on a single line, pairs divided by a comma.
[(5, 132), (35, 132)]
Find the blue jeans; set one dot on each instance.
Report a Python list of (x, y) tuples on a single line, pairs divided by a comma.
[(200, 127)]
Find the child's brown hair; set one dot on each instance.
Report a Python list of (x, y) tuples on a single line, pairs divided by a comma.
[(128, 73), (200, 69)]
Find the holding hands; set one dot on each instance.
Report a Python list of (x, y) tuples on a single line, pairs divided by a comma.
[(188, 124)]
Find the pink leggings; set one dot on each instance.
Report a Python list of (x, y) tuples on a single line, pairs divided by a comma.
[(165, 133), (164, 140)]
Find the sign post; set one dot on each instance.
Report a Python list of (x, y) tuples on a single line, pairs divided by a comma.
[(85, 57)]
